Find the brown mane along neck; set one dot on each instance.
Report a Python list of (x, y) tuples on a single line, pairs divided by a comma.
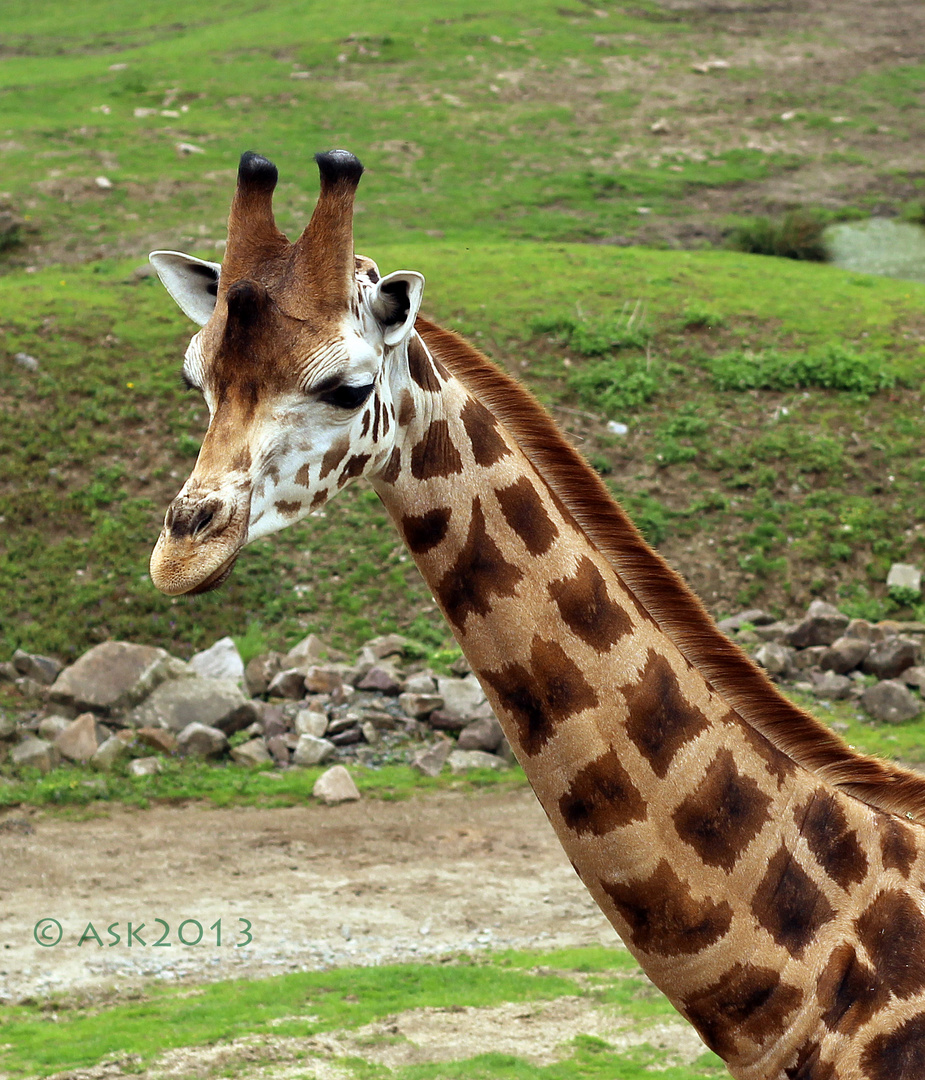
[(666, 596)]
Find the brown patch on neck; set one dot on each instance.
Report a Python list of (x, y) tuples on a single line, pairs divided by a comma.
[(665, 596)]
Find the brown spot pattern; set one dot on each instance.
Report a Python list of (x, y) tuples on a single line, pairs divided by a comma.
[(848, 991), (777, 763), (303, 477), (825, 827), (898, 1054), (318, 498), (660, 720), (392, 469), (288, 509), (425, 531), (242, 460), (334, 456), (789, 904), (354, 467), (808, 1065), (482, 428), (543, 696), (420, 367), (897, 845), (664, 917), (724, 814), (365, 426), (524, 511), (406, 408), (480, 573), (586, 607), (435, 454), (892, 930), (748, 1000), (376, 406), (602, 797)]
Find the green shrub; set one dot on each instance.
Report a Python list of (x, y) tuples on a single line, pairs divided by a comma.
[(613, 387), (798, 236), (831, 367)]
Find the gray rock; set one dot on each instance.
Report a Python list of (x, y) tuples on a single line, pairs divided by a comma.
[(776, 659), (261, 671), (310, 750), (419, 705), (891, 657), (288, 683), (890, 702), (388, 645), (803, 659), (461, 761), (8, 672), (309, 722), (279, 749), (216, 703), (308, 651), (421, 682), (335, 786), (913, 676), (431, 759), (823, 625), (832, 686), (252, 753), (860, 628), (751, 617), (78, 741), (113, 676), (221, 661), (777, 631), (158, 739), (145, 766), (484, 734), (324, 679), (463, 699), (43, 669), (905, 577), (109, 753), (35, 753), (7, 726), (844, 655), (201, 740), (383, 679), (50, 727)]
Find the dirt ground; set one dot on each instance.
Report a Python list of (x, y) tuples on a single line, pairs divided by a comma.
[(363, 883)]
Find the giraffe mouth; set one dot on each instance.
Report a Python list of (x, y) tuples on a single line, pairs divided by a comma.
[(215, 579)]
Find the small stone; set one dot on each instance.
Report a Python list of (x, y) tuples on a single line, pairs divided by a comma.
[(382, 679), (803, 659), (279, 749), (158, 739), (308, 722), (844, 655), (50, 727), (370, 732), (26, 361), (201, 740), (260, 672), (903, 577), (422, 682), (832, 686), (335, 786), (860, 628), (78, 741), (431, 759), (288, 683), (109, 753), (484, 734), (252, 753), (463, 699), (823, 625), (891, 657), (308, 651), (776, 631), (218, 703), (323, 679), (8, 672), (43, 669), (348, 736), (890, 702), (221, 661), (419, 705), (461, 761), (7, 726), (752, 617), (775, 659), (145, 766), (388, 645), (310, 750), (35, 753), (913, 676)]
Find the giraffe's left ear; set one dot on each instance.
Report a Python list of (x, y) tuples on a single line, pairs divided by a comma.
[(192, 282), (395, 303)]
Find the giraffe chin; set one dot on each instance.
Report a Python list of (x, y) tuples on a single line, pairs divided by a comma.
[(216, 578)]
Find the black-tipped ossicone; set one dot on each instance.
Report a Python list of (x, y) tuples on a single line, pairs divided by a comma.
[(337, 165), (254, 170)]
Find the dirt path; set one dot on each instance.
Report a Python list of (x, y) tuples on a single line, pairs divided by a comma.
[(364, 883)]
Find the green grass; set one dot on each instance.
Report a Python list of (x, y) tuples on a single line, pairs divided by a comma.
[(75, 1033)]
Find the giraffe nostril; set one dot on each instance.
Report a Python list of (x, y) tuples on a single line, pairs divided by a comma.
[(201, 521)]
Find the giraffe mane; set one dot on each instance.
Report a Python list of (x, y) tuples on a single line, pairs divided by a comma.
[(665, 595)]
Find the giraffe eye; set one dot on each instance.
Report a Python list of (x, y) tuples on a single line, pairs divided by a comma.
[(345, 396)]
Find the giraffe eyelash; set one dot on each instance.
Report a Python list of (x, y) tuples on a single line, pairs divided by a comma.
[(188, 383)]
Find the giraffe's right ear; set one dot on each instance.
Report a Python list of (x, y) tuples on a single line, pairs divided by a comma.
[(192, 282)]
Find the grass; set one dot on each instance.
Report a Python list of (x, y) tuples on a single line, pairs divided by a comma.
[(75, 1033)]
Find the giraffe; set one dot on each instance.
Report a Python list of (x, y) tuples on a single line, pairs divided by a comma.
[(768, 878)]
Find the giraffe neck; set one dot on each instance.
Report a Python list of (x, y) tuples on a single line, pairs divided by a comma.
[(734, 873)]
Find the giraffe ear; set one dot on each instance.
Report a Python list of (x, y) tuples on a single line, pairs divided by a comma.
[(395, 303), (192, 282)]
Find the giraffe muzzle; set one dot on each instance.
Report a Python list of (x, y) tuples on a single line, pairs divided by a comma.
[(199, 543)]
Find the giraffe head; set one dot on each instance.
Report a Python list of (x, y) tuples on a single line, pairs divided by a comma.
[(293, 358)]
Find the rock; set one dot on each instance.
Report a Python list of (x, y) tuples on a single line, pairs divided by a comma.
[(777, 631), (324, 679), (844, 655), (114, 676), (221, 661), (860, 628), (279, 749), (389, 645), (7, 726), (201, 740), (288, 683), (484, 734), (110, 752), (752, 617), (803, 659), (308, 651), (8, 672), (261, 671), (890, 702), (506, 753), (308, 722), (36, 754), (145, 766), (310, 750), (157, 739), (383, 679), (463, 699), (891, 657), (823, 625), (273, 720), (253, 753), (216, 703), (422, 682), (775, 659), (419, 705), (833, 686), (461, 761), (913, 676), (43, 669), (335, 786), (50, 727), (902, 577), (78, 741), (348, 736)]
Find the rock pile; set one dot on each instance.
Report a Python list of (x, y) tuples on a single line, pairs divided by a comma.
[(833, 657), (134, 704)]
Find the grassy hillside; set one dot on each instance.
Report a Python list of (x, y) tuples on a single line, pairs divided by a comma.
[(775, 409)]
